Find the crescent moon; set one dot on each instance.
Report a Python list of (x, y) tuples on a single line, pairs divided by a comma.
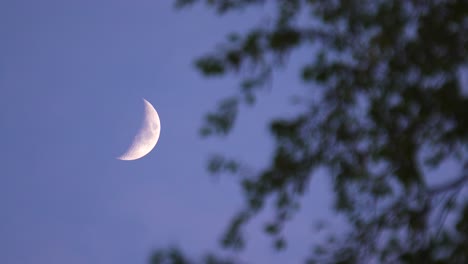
[(147, 136)]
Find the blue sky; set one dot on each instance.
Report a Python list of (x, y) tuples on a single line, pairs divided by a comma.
[(72, 75)]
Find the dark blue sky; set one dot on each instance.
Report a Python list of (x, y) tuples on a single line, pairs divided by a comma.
[(72, 75)]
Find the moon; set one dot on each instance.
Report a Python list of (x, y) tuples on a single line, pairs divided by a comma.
[(147, 136)]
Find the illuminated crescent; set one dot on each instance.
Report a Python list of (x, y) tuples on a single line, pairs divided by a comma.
[(147, 136)]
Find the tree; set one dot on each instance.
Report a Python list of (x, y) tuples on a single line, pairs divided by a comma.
[(388, 107)]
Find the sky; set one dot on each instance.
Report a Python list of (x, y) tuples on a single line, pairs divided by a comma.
[(72, 75)]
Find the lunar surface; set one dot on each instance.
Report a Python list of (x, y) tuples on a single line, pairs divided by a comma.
[(147, 136)]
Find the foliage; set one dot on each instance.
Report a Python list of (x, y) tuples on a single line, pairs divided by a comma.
[(384, 107), (175, 256)]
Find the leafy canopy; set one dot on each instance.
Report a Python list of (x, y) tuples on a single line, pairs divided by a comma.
[(384, 106)]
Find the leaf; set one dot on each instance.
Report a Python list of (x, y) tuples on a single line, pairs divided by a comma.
[(272, 228), (284, 39), (280, 244), (307, 73), (221, 121), (210, 66), (219, 164)]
